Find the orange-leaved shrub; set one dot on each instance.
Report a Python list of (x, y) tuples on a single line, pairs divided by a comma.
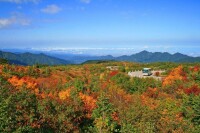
[(175, 74)]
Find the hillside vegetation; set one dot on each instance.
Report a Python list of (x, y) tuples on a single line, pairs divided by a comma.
[(92, 98)]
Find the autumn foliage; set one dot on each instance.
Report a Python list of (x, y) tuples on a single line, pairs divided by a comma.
[(113, 73), (64, 94), (27, 82), (195, 90), (89, 102), (91, 98), (175, 74)]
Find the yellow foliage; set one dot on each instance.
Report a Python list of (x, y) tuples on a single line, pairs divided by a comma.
[(101, 77), (64, 94)]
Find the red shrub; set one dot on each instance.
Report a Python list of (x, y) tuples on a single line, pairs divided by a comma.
[(192, 90), (196, 68), (113, 73), (157, 74)]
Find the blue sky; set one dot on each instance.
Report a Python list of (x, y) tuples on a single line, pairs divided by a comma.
[(113, 26)]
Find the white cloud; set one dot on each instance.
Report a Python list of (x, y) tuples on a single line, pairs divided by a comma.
[(20, 1), (85, 1), (145, 47), (14, 21), (5, 22), (51, 9)]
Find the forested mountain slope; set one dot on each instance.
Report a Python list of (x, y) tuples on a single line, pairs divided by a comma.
[(31, 59)]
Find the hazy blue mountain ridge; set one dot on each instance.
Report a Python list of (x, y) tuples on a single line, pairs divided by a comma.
[(31, 59), (60, 59)]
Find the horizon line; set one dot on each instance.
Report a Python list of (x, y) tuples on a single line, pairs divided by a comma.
[(64, 51)]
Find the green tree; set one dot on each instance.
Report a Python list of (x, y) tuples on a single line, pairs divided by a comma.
[(191, 110), (122, 80), (3, 61), (102, 115), (18, 110), (79, 85)]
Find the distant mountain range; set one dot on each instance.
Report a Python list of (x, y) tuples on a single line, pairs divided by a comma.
[(146, 57), (60, 59), (31, 59), (143, 57)]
